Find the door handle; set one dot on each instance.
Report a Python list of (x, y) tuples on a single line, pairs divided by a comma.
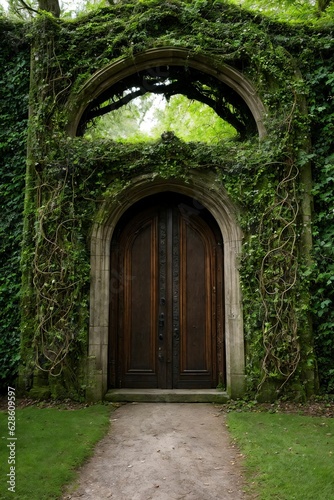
[(161, 325)]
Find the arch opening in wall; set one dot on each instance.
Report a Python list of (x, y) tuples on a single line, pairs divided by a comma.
[(171, 71), (169, 83), (149, 118)]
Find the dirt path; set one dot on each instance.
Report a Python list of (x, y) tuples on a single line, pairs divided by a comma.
[(165, 452)]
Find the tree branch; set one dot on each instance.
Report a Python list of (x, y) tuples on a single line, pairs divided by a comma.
[(26, 6)]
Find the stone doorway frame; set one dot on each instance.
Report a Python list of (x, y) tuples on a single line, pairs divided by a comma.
[(203, 188)]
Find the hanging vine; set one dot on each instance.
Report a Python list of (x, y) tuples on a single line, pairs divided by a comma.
[(277, 280), (56, 282)]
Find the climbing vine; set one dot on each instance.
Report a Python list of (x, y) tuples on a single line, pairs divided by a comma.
[(58, 286), (278, 278)]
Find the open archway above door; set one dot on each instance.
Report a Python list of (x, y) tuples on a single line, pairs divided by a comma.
[(146, 69), (203, 188)]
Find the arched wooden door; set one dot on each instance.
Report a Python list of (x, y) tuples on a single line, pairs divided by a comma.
[(166, 325)]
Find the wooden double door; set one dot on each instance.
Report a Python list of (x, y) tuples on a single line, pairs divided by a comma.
[(166, 314)]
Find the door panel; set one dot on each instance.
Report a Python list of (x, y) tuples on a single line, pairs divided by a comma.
[(138, 310), (165, 315), (195, 305)]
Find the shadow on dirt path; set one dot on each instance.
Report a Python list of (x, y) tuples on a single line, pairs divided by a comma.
[(163, 451)]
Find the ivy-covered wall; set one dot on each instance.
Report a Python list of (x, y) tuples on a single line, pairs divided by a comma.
[(67, 179), (14, 85)]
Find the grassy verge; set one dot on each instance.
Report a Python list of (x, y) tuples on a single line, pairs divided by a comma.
[(50, 443), (288, 457)]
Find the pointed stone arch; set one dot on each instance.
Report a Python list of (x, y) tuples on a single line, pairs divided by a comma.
[(203, 188)]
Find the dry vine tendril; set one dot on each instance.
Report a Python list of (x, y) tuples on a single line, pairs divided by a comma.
[(54, 274), (278, 276)]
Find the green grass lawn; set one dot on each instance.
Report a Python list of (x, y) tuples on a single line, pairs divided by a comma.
[(288, 457), (50, 444)]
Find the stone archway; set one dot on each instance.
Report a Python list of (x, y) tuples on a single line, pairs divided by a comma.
[(211, 194), (202, 187), (156, 58)]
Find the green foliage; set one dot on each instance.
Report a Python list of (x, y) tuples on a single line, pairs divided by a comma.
[(14, 83), (62, 440), (298, 454), (17, 10), (146, 118), (194, 121), (289, 11), (321, 110), (124, 123), (69, 178)]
